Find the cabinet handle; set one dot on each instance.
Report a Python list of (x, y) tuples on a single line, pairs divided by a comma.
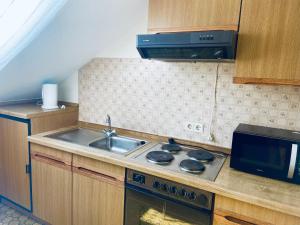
[(50, 161), (238, 221), (97, 175), (229, 220)]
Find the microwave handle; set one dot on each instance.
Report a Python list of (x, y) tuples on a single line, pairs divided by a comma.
[(293, 161)]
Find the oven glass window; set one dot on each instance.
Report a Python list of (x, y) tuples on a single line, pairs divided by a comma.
[(145, 209)]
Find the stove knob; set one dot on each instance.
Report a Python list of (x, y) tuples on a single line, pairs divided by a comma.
[(173, 190), (182, 192), (156, 184), (203, 200), (138, 178), (164, 187), (192, 196)]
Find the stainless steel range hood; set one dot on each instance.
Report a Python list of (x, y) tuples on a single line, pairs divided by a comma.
[(189, 46)]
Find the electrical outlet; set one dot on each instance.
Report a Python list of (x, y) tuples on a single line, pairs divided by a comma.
[(198, 127), (189, 126)]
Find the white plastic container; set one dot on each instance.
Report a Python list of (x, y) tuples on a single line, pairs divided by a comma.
[(49, 96)]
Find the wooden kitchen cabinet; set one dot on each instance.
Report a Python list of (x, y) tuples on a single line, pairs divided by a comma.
[(98, 192), (15, 165), (193, 15), (14, 157), (233, 212), (268, 47), (54, 122), (2, 152), (52, 185)]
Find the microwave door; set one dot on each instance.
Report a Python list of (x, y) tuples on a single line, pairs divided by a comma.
[(293, 161), (261, 156)]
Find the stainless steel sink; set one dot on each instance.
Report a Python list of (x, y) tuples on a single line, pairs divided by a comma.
[(78, 136), (85, 137), (119, 144)]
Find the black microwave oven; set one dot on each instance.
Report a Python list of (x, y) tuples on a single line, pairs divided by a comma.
[(267, 152)]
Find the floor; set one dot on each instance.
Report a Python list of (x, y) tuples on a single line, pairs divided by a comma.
[(9, 216)]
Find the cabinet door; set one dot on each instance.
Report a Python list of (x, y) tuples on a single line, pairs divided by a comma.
[(269, 44), (52, 190), (98, 199), (15, 182), (193, 15), (2, 128)]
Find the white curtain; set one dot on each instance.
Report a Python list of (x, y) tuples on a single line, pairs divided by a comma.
[(21, 21)]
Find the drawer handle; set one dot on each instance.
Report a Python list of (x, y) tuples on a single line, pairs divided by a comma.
[(238, 221), (96, 174), (48, 159)]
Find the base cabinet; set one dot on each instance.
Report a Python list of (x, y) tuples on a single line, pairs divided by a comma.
[(97, 199), (15, 179), (14, 158), (73, 190), (51, 188)]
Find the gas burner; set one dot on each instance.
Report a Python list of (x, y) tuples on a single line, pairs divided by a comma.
[(191, 166), (159, 157), (201, 155), (172, 148)]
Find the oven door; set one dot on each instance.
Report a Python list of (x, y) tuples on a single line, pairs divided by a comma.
[(264, 156), (146, 208)]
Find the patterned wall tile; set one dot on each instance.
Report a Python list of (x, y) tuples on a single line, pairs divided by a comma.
[(160, 97)]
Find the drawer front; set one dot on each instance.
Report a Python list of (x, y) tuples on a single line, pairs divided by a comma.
[(100, 167), (52, 153), (237, 212)]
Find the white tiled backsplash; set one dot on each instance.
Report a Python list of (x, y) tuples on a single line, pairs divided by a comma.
[(161, 97)]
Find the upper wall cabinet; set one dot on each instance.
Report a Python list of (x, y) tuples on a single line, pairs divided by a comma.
[(269, 43), (193, 15)]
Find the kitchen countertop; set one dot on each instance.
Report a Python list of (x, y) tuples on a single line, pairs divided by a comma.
[(32, 110), (272, 194)]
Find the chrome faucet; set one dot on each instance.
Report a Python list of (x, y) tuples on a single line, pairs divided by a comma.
[(109, 132)]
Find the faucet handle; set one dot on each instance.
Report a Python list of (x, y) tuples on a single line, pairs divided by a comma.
[(109, 133)]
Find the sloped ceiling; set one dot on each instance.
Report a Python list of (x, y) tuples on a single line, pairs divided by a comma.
[(81, 31)]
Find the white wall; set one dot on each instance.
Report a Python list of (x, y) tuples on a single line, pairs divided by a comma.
[(82, 30), (120, 22), (68, 89)]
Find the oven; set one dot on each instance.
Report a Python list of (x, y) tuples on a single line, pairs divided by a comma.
[(155, 201)]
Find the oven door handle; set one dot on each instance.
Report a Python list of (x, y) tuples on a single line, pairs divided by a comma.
[(293, 161)]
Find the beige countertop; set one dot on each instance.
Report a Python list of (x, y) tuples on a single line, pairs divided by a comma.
[(268, 193), (32, 110)]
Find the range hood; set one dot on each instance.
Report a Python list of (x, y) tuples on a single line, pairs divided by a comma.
[(189, 46)]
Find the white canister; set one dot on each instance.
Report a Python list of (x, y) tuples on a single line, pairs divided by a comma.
[(49, 96)]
